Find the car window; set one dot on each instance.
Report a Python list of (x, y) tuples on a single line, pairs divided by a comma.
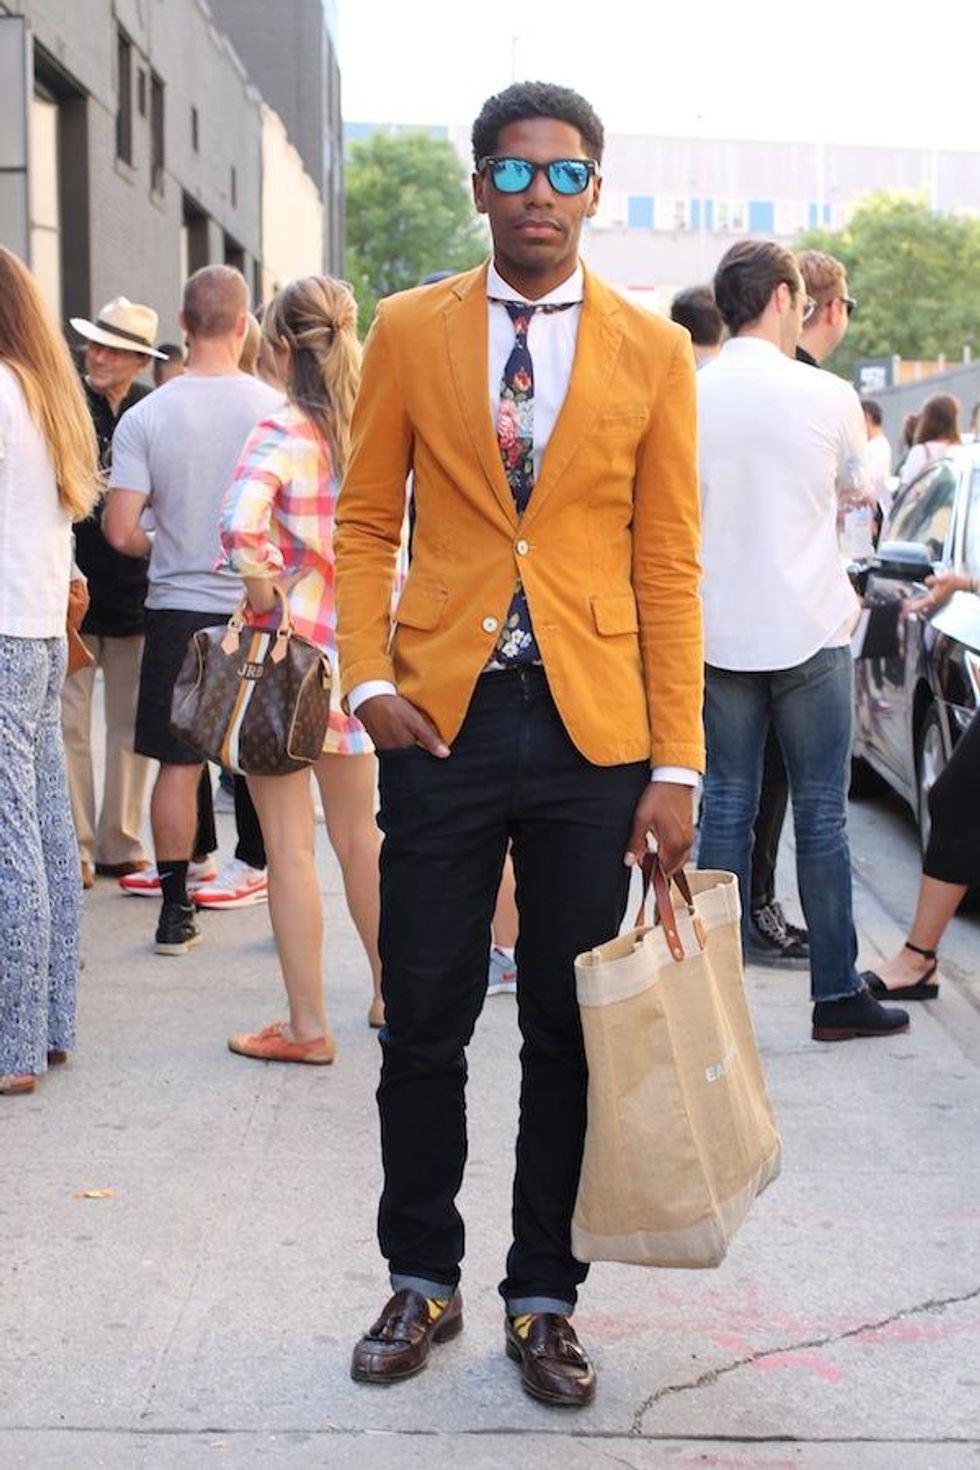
[(924, 510), (971, 536)]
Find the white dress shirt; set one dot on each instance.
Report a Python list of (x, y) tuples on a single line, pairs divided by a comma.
[(551, 342), (776, 441)]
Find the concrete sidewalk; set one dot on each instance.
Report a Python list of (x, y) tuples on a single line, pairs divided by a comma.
[(203, 1311)]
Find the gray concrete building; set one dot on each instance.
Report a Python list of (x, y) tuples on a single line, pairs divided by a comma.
[(131, 149), (289, 48)]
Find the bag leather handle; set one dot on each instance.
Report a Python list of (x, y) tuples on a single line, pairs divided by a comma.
[(663, 905), (237, 624)]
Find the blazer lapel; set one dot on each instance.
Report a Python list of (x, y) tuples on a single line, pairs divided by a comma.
[(596, 350), (466, 335)]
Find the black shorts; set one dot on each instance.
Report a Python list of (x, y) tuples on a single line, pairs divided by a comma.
[(168, 632)]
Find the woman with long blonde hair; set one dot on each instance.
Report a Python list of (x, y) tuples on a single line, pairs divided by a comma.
[(48, 478), (277, 527)]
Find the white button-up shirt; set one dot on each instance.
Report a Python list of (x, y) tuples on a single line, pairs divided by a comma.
[(777, 437)]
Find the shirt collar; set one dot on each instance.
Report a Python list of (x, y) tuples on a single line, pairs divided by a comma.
[(570, 290), (750, 347)]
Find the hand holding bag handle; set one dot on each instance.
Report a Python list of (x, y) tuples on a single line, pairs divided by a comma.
[(663, 905), (237, 625)]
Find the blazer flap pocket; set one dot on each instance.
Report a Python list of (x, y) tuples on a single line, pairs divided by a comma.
[(421, 604), (622, 420), (615, 612)]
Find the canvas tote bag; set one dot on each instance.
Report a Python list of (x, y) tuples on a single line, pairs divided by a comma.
[(681, 1135)]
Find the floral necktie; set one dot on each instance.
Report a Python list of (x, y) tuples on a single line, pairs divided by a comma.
[(515, 436)]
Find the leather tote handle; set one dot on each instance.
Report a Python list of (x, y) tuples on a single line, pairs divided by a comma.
[(663, 904), (237, 625)]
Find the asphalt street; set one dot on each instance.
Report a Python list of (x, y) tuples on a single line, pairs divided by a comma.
[(187, 1237)]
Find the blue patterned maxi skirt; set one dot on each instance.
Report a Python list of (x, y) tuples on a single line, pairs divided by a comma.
[(40, 881)]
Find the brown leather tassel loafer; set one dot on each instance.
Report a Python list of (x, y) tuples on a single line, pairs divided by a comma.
[(397, 1345), (555, 1367)]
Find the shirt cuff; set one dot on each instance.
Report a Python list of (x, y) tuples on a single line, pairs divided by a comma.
[(368, 690), (679, 775)]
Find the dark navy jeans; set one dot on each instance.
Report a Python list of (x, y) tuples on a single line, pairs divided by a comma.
[(513, 776), (810, 707)]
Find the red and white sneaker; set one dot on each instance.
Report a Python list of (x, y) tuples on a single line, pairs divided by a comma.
[(236, 887), (147, 883), (502, 974)]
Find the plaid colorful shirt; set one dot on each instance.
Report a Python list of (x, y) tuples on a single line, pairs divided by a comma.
[(277, 519)]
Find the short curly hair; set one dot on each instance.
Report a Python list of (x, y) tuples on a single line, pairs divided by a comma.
[(536, 99)]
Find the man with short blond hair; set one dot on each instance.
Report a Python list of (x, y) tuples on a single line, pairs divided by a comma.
[(175, 453), (825, 279)]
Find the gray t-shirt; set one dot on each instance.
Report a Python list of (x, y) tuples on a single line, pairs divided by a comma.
[(179, 447)]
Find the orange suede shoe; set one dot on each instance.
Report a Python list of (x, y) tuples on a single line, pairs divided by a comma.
[(17, 1082), (271, 1044)]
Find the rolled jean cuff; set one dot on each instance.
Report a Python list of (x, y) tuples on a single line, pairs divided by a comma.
[(519, 1306), (839, 994), (439, 1291)]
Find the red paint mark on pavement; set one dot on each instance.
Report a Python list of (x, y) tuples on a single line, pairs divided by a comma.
[(925, 1331), (811, 1361)]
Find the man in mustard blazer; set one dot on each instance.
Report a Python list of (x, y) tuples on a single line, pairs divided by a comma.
[(544, 662)]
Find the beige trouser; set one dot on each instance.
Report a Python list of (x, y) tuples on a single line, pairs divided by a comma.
[(116, 837)]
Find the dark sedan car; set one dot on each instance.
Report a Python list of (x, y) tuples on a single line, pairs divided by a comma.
[(917, 684)]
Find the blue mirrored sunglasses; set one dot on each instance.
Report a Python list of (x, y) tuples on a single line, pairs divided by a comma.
[(515, 175)]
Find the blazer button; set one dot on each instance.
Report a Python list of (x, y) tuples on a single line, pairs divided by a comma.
[(522, 548), (490, 625)]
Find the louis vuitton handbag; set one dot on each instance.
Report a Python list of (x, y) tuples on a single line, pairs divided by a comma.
[(681, 1135), (255, 700)]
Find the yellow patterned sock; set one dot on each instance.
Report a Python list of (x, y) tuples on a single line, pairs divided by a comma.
[(522, 1323), (436, 1305)]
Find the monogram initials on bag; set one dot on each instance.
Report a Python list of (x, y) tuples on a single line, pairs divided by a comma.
[(251, 671)]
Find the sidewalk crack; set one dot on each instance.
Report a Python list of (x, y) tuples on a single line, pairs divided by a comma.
[(712, 1375)]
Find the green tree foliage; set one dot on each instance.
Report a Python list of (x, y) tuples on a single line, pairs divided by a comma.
[(914, 274), (409, 212)]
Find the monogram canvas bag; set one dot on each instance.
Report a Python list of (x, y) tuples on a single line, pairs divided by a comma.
[(254, 700), (681, 1135)]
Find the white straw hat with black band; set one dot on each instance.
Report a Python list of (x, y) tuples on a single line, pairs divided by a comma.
[(122, 324)]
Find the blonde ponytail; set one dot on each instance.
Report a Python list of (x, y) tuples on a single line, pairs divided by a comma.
[(316, 318)]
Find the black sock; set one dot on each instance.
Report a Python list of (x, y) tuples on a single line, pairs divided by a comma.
[(173, 882)]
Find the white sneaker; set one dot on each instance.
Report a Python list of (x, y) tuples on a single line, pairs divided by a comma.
[(147, 883), (502, 975), (236, 887)]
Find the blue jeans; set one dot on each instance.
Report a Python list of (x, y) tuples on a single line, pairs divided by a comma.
[(810, 707)]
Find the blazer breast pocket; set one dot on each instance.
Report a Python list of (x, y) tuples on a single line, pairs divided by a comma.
[(631, 421)]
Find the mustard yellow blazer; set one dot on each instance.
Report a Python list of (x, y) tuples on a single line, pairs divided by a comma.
[(607, 548)]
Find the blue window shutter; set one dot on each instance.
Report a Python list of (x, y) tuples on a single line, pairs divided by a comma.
[(640, 212), (762, 217), (695, 214)]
